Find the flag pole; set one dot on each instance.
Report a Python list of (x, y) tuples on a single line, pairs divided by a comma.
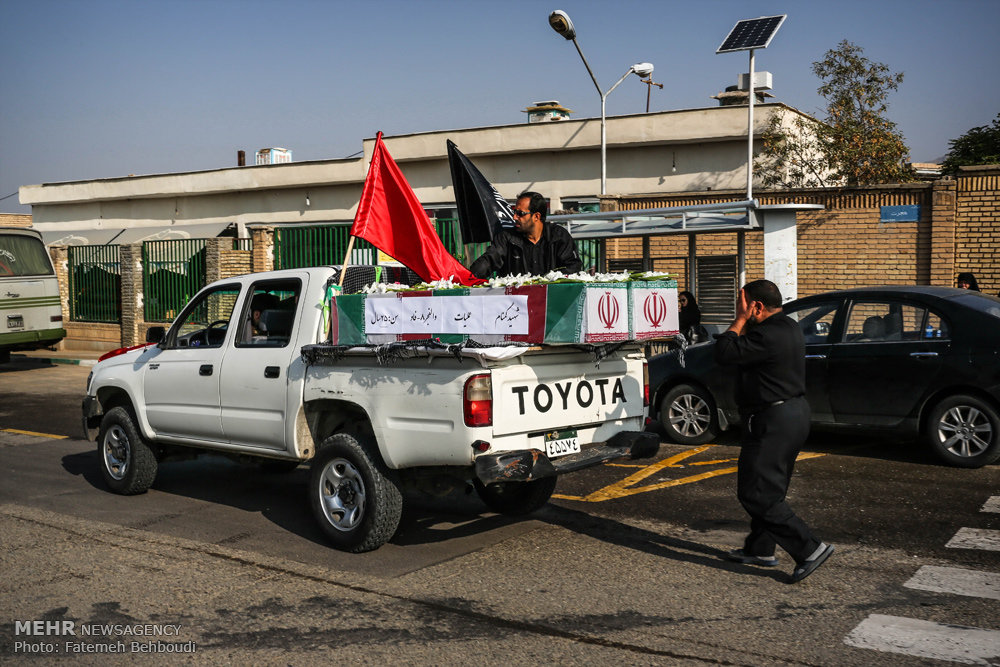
[(350, 242), (343, 265)]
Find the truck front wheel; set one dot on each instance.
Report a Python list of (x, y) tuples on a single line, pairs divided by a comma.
[(127, 463), (516, 498), (354, 496)]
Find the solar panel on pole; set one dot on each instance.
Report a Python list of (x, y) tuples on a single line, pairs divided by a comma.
[(751, 34)]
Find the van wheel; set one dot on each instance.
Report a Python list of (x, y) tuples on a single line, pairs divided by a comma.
[(964, 431), (127, 462), (353, 494), (687, 415), (516, 498)]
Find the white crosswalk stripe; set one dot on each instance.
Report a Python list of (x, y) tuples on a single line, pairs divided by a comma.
[(975, 538), (925, 639), (956, 581), (938, 641)]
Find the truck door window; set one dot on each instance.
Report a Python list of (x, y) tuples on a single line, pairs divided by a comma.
[(205, 321), (268, 318)]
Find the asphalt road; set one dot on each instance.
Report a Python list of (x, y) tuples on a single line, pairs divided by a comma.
[(624, 565)]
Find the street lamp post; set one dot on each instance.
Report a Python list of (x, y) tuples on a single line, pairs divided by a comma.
[(562, 24)]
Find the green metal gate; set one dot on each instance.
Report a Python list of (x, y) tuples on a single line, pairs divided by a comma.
[(172, 272), (95, 283), (322, 245), (318, 245)]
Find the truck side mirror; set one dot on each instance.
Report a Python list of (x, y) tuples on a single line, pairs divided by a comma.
[(155, 334)]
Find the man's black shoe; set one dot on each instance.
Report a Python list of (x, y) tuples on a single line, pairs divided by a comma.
[(808, 567), (738, 556)]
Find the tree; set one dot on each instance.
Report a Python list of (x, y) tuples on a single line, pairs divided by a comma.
[(980, 145), (856, 144)]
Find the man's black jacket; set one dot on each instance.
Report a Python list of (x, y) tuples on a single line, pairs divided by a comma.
[(510, 253)]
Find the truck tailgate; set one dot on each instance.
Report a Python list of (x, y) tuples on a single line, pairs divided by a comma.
[(529, 398)]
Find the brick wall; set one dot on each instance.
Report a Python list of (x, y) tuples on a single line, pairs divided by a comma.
[(977, 226), (14, 220), (846, 244), (235, 263)]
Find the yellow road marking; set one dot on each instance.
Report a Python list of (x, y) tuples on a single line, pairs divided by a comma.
[(626, 487), (41, 435)]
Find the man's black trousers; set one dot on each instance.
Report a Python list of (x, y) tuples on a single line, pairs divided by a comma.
[(772, 438)]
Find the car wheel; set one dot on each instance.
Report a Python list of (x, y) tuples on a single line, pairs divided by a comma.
[(354, 496), (128, 465), (964, 431), (516, 498), (687, 414)]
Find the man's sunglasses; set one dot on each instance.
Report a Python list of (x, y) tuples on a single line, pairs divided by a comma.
[(519, 213)]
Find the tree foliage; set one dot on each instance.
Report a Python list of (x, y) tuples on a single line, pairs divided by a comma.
[(980, 145), (856, 144)]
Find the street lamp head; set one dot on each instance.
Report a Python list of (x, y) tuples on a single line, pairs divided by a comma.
[(561, 23), (643, 70)]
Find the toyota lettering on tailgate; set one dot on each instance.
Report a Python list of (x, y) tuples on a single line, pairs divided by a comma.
[(562, 395)]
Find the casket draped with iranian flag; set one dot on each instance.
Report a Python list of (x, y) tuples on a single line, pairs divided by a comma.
[(550, 313)]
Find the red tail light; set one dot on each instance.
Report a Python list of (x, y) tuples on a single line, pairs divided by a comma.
[(645, 384), (477, 403), (121, 350)]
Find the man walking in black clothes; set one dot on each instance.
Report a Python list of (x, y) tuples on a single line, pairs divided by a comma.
[(767, 347)]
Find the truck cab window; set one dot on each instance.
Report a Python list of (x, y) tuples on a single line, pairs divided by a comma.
[(268, 317), (205, 321)]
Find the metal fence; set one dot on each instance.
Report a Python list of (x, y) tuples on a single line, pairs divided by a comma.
[(95, 283), (172, 272), (321, 245), (318, 245), (242, 244)]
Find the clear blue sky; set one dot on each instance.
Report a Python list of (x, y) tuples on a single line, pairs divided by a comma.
[(106, 88)]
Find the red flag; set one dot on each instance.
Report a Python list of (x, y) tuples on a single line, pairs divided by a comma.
[(391, 218)]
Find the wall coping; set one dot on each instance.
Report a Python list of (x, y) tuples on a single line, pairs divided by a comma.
[(978, 170)]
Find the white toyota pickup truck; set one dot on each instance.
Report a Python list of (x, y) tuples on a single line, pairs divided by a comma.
[(247, 370)]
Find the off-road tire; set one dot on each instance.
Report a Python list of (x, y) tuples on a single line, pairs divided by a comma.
[(964, 431), (516, 498), (687, 415), (354, 496), (128, 464)]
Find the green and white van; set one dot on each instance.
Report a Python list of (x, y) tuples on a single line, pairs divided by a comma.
[(30, 313)]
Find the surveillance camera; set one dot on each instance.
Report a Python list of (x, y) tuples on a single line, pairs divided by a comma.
[(560, 22), (644, 70)]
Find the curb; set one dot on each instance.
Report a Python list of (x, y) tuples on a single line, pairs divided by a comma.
[(71, 361)]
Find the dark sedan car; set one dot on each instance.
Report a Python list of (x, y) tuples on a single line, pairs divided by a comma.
[(911, 360)]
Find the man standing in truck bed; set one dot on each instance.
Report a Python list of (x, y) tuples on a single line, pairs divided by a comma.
[(534, 247)]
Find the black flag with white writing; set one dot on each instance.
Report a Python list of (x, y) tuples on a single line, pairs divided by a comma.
[(482, 212)]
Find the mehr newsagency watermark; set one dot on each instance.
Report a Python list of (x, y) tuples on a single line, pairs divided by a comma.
[(62, 637)]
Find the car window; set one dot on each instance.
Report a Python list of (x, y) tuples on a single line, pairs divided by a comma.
[(888, 321), (269, 314), (206, 319), (935, 327), (816, 321)]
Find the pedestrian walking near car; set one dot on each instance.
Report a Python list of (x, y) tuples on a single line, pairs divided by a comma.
[(768, 349), (967, 281)]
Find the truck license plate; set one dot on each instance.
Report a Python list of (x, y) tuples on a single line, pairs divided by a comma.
[(15, 321), (561, 443)]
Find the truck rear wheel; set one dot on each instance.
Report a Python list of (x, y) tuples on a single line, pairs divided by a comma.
[(127, 462), (353, 495), (516, 498)]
